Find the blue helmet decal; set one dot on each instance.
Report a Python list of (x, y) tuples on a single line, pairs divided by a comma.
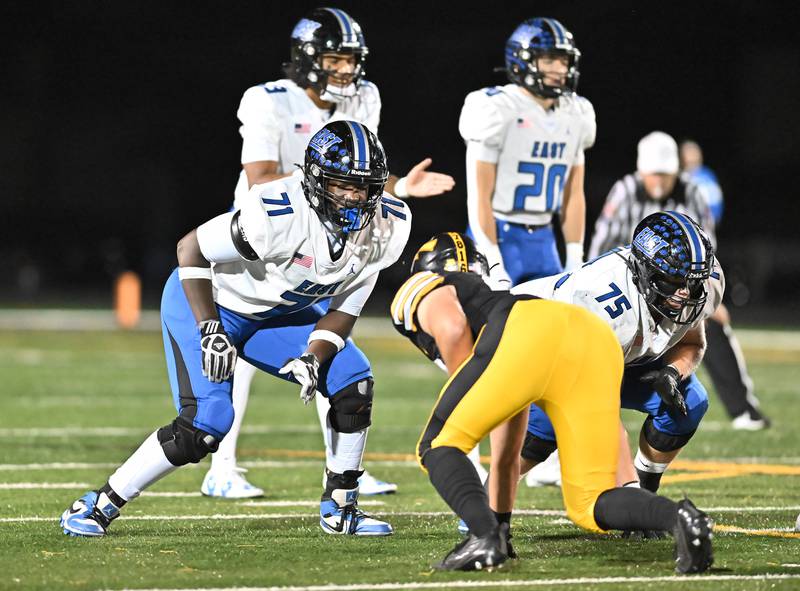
[(324, 140), (304, 29)]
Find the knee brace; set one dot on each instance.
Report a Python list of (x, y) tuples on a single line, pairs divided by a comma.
[(662, 441), (183, 443), (537, 449), (351, 407)]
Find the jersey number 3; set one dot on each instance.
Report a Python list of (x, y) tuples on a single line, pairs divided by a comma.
[(555, 183), (621, 303)]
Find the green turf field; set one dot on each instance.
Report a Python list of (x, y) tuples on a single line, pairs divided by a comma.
[(74, 405)]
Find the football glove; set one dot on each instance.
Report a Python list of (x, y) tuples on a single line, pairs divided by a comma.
[(304, 369), (665, 382), (218, 353)]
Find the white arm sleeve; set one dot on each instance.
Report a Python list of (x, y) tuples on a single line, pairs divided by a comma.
[(353, 300), (260, 129), (215, 240)]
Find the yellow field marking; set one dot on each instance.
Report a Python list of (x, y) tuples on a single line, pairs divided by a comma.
[(771, 533)]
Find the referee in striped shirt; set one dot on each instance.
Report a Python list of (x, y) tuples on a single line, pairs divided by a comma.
[(655, 186)]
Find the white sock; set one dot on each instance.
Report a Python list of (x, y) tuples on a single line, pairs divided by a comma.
[(147, 465), (225, 457), (323, 406), (345, 451), (640, 462)]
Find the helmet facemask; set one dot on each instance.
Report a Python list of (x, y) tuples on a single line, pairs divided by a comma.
[(660, 293), (343, 214)]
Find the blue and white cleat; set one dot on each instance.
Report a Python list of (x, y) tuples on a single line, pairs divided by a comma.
[(89, 516), (229, 484), (368, 485), (340, 515), (463, 528)]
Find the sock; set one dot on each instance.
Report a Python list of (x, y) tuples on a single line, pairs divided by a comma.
[(146, 465), (345, 451), (649, 472), (632, 508), (117, 500), (323, 406), (503, 517), (346, 481), (225, 457), (455, 479)]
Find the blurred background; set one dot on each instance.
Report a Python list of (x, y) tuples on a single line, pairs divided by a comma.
[(119, 129)]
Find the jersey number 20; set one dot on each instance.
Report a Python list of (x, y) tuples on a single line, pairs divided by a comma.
[(555, 183)]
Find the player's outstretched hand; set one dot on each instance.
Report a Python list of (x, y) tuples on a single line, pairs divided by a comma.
[(305, 370), (218, 353), (665, 382), (420, 182)]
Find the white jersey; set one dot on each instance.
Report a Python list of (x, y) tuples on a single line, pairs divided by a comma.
[(293, 266), (278, 120), (534, 149), (606, 287)]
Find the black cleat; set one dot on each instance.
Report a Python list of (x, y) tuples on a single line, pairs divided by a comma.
[(693, 533), (474, 553)]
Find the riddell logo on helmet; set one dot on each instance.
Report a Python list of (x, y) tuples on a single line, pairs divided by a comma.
[(360, 172)]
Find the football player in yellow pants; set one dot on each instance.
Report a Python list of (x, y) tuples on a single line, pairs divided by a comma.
[(559, 356)]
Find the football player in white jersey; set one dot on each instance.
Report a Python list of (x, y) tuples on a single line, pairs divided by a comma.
[(525, 156), (655, 294), (247, 286), (325, 82)]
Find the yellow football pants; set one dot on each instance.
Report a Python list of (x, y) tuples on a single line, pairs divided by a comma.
[(563, 358)]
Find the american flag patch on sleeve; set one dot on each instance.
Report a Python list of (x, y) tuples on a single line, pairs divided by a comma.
[(302, 259), (302, 128)]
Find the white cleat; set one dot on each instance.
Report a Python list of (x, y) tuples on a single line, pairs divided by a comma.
[(229, 484), (369, 485), (750, 421), (547, 473)]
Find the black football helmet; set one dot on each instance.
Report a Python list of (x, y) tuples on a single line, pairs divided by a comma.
[(535, 38), (450, 252), (325, 30), (344, 151), (671, 252)]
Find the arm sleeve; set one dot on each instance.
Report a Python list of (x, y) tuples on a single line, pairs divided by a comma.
[(216, 241), (353, 300), (260, 127)]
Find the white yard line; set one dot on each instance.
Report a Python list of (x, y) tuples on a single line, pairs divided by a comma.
[(223, 517), (245, 464), (42, 485), (681, 580)]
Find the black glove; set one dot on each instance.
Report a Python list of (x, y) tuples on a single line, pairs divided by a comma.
[(665, 381), (219, 354)]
